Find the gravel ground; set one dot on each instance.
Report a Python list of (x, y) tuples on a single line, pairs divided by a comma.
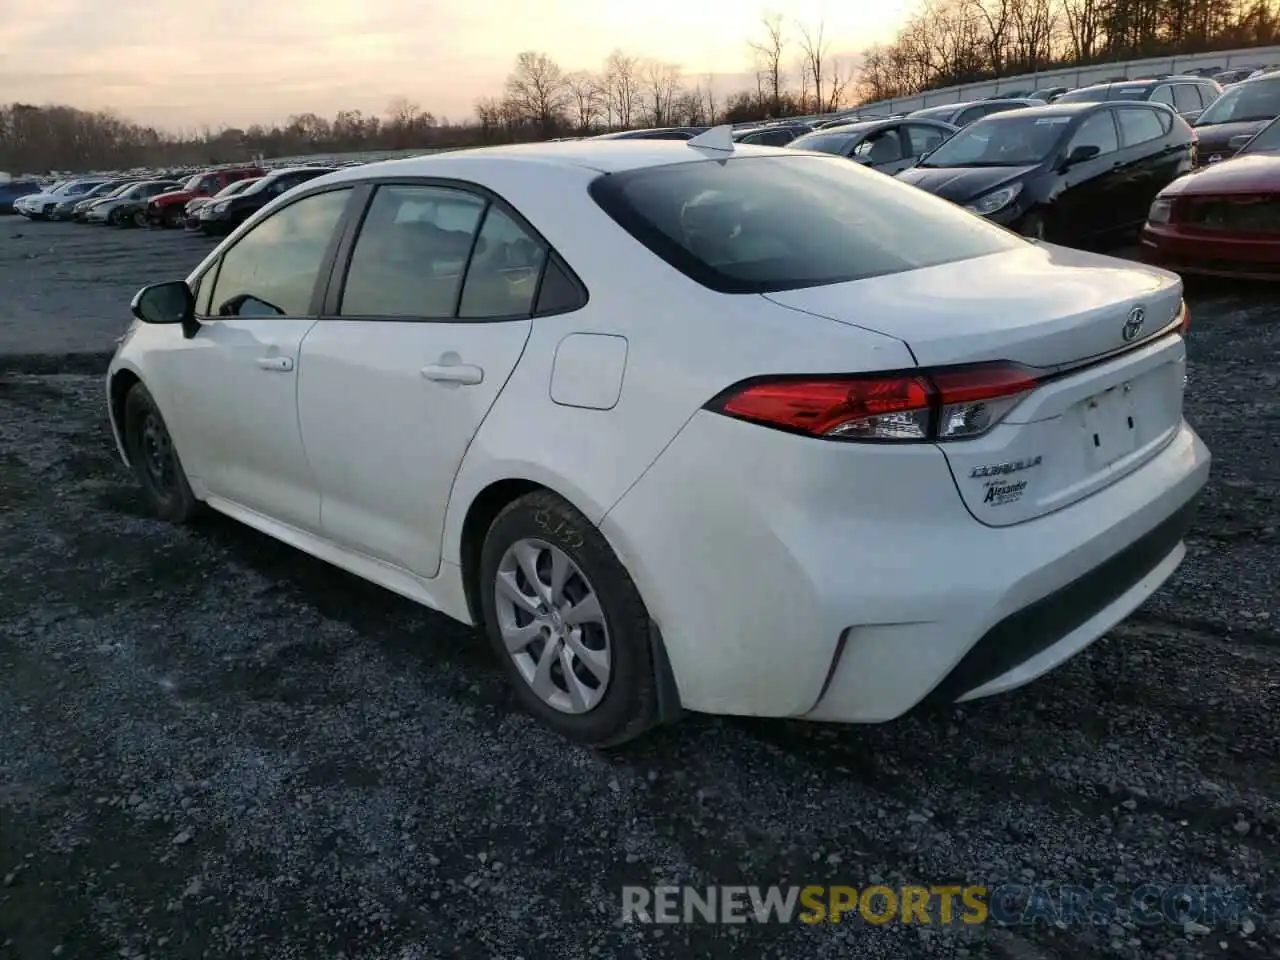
[(214, 746)]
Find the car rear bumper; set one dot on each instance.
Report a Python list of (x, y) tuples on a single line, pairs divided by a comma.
[(1201, 253), (825, 581)]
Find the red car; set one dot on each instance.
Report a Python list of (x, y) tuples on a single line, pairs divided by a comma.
[(1223, 220), (168, 209)]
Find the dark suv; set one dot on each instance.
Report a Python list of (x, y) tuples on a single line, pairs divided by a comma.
[(1187, 95)]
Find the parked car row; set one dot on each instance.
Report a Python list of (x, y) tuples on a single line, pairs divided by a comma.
[(1110, 163), (212, 202)]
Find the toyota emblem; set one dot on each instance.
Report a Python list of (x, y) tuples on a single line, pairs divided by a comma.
[(1133, 325)]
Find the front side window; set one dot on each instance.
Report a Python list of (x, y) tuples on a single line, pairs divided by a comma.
[(1267, 140), (924, 139), (1139, 126), (884, 146), (411, 253), (272, 270), (762, 224), (1098, 131)]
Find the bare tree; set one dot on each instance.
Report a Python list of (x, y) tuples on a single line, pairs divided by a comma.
[(769, 52), (587, 95), (814, 47), (1084, 26), (997, 18), (622, 86), (661, 82), (841, 80), (712, 111), (537, 89), (1036, 21)]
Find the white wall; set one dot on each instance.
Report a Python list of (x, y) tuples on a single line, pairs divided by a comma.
[(1077, 77)]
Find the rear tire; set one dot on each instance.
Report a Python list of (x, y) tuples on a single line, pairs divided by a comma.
[(155, 459), (140, 218), (575, 644)]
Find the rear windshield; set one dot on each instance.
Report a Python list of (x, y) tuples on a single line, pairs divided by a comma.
[(823, 142), (763, 224), (1087, 95)]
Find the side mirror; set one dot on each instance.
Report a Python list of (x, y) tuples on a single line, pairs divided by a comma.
[(1080, 154), (167, 303), (924, 156)]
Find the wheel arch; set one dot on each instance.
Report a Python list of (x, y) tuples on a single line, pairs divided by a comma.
[(122, 381), (480, 514)]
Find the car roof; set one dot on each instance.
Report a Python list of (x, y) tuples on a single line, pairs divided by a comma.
[(604, 156), (1050, 110)]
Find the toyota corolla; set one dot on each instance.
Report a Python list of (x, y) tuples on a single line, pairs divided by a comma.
[(681, 424)]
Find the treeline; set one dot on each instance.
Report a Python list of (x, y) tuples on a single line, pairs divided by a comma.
[(795, 75), (949, 42), (38, 139)]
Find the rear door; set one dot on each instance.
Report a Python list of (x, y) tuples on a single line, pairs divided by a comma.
[(1150, 157), (428, 312)]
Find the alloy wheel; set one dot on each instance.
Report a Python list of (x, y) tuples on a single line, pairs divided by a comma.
[(553, 626)]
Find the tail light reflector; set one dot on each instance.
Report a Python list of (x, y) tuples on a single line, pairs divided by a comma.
[(947, 403), (1186, 319)]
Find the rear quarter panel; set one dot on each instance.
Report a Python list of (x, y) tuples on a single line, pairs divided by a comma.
[(685, 344)]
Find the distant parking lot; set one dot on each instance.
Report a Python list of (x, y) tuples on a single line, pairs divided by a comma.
[(212, 745)]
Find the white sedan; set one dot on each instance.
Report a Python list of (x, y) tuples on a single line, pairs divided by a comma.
[(682, 424)]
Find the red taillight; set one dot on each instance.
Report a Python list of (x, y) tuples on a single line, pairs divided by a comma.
[(949, 403), (1186, 319)]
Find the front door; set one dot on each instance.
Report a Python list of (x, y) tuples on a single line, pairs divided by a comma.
[(1085, 205), (411, 354), (235, 382)]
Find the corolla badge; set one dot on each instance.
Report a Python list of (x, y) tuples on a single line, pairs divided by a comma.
[(1133, 325)]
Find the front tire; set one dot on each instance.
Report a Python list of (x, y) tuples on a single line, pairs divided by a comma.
[(567, 623), (140, 218), (155, 460)]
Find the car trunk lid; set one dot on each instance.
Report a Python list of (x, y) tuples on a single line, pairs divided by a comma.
[(1092, 328)]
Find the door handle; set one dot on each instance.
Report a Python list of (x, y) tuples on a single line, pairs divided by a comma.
[(453, 373), (280, 364)]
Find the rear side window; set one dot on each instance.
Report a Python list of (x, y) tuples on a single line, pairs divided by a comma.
[(762, 224), (1139, 126), (411, 253)]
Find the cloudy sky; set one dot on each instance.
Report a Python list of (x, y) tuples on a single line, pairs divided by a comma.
[(189, 62)]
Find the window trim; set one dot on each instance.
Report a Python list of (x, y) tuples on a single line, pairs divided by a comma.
[(214, 269), (340, 265)]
